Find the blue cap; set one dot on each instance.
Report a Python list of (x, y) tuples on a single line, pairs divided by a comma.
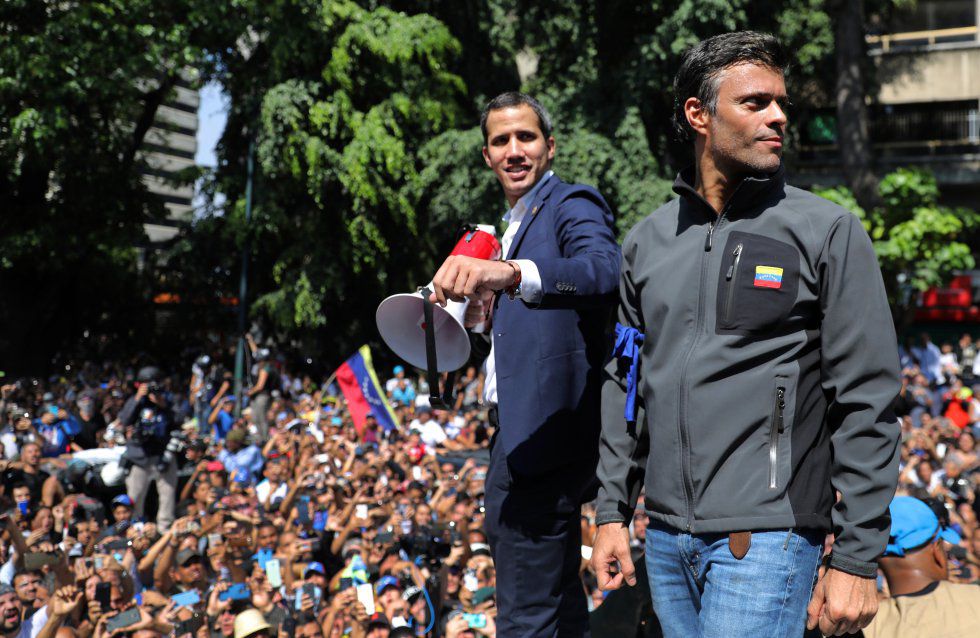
[(230, 397), (122, 499), (384, 583), (336, 420), (399, 369), (243, 477), (913, 525), (315, 567)]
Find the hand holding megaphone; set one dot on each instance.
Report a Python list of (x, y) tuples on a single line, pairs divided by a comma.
[(434, 336), (461, 277)]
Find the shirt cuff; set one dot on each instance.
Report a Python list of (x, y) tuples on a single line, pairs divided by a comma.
[(530, 281)]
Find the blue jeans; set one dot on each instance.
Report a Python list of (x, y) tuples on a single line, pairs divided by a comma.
[(700, 590)]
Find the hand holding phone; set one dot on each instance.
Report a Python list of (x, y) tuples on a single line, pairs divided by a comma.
[(273, 571), (365, 595), (303, 511), (475, 621), (123, 619), (238, 591), (103, 595), (35, 560), (186, 599)]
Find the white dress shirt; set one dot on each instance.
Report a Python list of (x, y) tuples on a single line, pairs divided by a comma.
[(530, 278)]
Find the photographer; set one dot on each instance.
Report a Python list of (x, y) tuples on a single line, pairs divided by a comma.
[(149, 422), (267, 380)]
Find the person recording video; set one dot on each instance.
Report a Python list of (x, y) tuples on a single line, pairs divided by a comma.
[(149, 422)]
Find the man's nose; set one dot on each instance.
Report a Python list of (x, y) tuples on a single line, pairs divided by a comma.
[(776, 115), (514, 148)]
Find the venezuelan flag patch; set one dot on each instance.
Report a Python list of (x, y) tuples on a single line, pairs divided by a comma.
[(768, 277)]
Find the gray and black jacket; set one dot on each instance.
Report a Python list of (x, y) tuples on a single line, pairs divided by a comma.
[(766, 373)]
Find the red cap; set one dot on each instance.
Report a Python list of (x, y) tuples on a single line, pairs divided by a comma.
[(215, 466)]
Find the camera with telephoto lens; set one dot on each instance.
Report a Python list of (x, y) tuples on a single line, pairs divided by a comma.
[(429, 543), (175, 447)]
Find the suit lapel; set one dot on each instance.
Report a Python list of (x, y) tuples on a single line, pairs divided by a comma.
[(533, 212)]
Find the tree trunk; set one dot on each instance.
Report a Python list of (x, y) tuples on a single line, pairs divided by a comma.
[(853, 130)]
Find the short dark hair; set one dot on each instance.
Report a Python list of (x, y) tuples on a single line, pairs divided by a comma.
[(516, 98), (702, 66)]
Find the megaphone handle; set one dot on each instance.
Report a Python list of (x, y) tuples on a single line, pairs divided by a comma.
[(438, 402)]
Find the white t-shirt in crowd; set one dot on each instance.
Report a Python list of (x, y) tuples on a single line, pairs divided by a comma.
[(432, 434)]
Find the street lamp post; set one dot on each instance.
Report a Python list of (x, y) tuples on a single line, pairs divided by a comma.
[(243, 284)]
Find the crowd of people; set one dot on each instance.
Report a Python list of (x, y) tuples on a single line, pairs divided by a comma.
[(137, 503), (940, 413)]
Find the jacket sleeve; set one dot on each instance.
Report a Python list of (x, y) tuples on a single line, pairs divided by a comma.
[(622, 446), (585, 275), (127, 415), (860, 377)]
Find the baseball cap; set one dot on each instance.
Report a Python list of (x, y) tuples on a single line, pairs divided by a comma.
[(479, 549), (236, 435), (398, 369), (315, 567), (378, 619), (215, 466), (123, 499), (913, 525), (385, 582), (185, 555), (230, 397), (411, 593)]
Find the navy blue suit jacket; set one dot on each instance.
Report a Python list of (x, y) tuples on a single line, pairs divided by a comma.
[(549, 356)]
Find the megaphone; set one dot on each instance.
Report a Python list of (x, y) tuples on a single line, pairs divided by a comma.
[(427, 335)]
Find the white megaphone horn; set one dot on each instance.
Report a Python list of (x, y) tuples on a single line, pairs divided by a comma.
[(427, 335)]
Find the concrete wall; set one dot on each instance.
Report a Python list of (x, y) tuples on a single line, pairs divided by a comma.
[(939, 73)]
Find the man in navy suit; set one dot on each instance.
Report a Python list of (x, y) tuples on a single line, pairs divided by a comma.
[(551, 300)]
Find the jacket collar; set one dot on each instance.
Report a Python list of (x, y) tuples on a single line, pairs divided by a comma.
[(751, 190), (534, 206)]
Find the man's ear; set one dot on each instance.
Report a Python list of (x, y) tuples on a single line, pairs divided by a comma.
[(939, 555), (551, 148), (486, 157), (697, 115)]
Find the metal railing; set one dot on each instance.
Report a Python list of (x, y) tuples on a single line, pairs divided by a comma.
[(941, 126), (953, 125), (934, 36)]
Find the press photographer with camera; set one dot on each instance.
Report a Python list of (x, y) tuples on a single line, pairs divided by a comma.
[(150, 451)]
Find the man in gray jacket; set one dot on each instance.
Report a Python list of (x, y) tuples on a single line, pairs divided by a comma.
[(755, 363)]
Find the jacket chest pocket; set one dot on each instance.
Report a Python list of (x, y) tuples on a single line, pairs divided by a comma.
[(758, 284)]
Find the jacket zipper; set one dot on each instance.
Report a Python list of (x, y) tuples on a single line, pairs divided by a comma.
[(682, 429), (732, 277), (775, 429)]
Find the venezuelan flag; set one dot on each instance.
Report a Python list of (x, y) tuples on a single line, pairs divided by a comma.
[(768, 277), (363, 392)]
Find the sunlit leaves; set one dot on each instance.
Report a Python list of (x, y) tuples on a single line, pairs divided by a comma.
[(919, 242)]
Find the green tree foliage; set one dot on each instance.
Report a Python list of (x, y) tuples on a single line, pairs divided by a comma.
[(80, 84), (363, 118), (917, 240), (336, 221)]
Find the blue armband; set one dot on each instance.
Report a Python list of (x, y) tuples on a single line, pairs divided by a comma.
[(628, 342)]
